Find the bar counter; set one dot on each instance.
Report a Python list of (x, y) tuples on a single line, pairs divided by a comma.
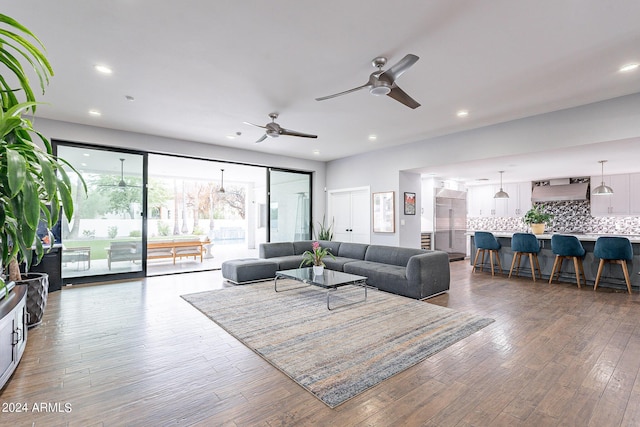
[(612, 276)]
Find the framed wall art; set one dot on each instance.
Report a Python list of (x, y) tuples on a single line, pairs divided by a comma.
[(384, 212), (409, 203)]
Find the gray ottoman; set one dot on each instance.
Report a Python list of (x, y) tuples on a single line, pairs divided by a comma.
[(240, 271)]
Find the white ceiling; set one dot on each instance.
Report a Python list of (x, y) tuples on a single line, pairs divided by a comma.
[(198, 69)]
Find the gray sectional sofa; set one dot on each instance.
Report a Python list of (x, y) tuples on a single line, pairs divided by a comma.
[(413, 273)]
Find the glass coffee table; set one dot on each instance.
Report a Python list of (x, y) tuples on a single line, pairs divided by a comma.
[(330, 280)]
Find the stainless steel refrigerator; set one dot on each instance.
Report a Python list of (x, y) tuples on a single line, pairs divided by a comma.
[(451, 222)]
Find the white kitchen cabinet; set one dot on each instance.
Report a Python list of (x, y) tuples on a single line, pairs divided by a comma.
[(480, 201), (616, 203), (519, 201), (482, 204)]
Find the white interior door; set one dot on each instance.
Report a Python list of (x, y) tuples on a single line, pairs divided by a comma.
[(360, 216), (349, 210), (340, 213)]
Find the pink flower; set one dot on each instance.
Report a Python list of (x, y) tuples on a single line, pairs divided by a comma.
[(315, 246)]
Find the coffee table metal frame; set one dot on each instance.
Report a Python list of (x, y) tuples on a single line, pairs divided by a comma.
[(330, 280)]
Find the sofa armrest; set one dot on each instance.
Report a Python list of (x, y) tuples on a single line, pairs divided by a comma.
[(430, 272)]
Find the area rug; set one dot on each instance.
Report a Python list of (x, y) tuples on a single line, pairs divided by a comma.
[(339, 353)]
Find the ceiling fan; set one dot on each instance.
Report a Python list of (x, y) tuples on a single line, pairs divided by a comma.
[(384, 82), (274, 130), (121, 183)]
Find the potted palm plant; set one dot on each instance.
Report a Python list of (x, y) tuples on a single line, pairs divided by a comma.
[(31, 177), (537, 219)]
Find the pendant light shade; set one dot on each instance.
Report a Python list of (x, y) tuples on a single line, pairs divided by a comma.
[(602, 189), (221, 190), (501, 194)]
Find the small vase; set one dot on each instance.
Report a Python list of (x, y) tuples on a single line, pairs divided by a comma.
[(318, 270)]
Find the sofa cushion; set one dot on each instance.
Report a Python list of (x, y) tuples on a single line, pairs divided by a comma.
[(338, 263), (287, 262), (301, 246), (391, 254), (334, 247), (352, 250), (379, 275), (270, 250)]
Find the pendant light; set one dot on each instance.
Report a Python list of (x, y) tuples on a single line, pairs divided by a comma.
[(501, 194), (602, 189), (221, 189)]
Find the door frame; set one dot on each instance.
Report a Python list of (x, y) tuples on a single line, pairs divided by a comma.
[(145, 164), (268, 208)]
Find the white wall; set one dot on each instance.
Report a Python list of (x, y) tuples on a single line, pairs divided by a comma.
[(409, 182), (114, 138), (609, 120)]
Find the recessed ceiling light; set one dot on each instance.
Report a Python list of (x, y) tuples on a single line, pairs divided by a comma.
[(231, 137), (103, 69), (629, 67), (86, 154), (462, 113), (316, 152), (83, 164), (373, 137), (95, 113)]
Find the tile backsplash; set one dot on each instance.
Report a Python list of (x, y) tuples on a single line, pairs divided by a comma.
[(569, 216)]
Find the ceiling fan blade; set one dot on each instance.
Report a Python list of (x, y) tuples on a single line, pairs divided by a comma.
[(368, 85), (401, 96), (398, 69), (262, 138), (294, 133), (253, 124)]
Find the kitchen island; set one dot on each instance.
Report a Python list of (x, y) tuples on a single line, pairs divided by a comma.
[(612, 276)]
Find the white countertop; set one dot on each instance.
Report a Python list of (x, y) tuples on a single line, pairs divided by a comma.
[(634, 238)]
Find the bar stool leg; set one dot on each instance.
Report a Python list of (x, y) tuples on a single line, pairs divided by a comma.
[(491, 261), (498, 259), (600, 267), (581, 265), (623, 263), (513, 263), (535, 257), (533, 267), (554, 268), (576, 267), (475, 260)]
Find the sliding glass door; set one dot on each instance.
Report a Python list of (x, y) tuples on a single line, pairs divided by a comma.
[(105, 235), (289, 205)]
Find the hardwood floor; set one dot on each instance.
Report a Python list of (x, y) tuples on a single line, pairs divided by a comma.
[(136, 354)]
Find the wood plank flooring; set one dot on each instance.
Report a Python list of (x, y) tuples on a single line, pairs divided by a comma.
[(136, 354)]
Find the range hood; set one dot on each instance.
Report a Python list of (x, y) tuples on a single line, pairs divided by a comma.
[(560, 191)]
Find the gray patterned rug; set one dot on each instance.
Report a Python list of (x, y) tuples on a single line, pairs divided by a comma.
[(339, 353)]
